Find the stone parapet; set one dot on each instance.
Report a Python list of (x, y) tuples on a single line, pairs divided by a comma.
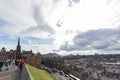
[(26, 74)]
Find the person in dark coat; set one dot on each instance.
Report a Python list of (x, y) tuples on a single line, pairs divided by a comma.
[(1, 65), (17, 64)]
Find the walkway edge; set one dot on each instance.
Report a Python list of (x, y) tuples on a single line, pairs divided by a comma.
[(29, 73)]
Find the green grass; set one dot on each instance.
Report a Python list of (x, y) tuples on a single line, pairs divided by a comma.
[(39, 74)]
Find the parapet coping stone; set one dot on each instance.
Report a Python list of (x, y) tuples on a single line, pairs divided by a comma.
[(29, 73)]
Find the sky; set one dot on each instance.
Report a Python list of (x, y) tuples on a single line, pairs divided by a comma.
[(61, 26)]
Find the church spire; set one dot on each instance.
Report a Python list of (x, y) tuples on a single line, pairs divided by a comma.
[(18, 40), (18, 46)]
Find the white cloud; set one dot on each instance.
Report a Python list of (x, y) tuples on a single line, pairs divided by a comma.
[(42, 48), (101, 39), (23, 15), (38, 18), (92, 14)]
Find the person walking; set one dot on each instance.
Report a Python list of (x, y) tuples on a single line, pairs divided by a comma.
[(1, 65), (6, 64), (13, 62), (17, 64), (21, 63)]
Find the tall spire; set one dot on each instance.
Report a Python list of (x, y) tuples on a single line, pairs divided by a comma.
[(18, 46), (18, 40)]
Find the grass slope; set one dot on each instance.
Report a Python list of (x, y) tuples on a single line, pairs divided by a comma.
[(39, 74)]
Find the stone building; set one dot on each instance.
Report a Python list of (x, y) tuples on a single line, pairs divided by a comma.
[(28, 56), (32, 59), (3, 55), (12, 54)]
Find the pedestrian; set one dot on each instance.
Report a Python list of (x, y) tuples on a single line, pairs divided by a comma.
[(21, 63), (13, 62), (8, 60), (17, 64), (6, 64), (1, 65)]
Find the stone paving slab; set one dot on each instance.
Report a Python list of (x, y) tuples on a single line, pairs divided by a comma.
[(16, 75), (10, 74)]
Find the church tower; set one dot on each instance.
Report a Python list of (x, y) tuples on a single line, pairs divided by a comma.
[(18, 46), (18, 50)]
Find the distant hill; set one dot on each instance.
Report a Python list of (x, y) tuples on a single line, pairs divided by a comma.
[(50, 55)]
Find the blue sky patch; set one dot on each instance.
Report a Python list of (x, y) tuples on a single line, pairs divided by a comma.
[(2, 22), (41, 41)]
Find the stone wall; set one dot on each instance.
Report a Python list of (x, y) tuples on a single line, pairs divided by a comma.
[(25, 74)]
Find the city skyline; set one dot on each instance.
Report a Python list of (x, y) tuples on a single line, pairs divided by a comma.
[(88, 26)]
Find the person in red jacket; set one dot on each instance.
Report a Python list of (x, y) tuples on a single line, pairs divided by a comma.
[(21, 63)]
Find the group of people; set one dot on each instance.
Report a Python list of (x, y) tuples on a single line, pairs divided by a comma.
[(18, 63), (5, 63)]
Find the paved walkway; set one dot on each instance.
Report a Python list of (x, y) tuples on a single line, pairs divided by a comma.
[(16, 75), (5, 76), (10, 74)]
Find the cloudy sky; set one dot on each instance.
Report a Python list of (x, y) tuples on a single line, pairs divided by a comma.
[(61, 26)]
